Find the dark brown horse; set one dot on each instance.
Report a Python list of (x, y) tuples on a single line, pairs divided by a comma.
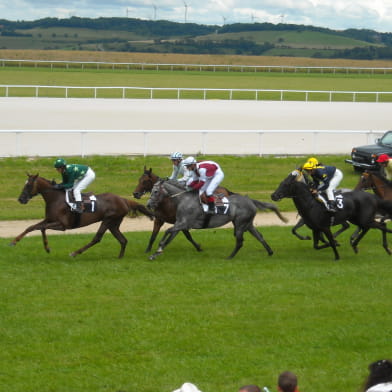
[(377, 183), (110, 211)]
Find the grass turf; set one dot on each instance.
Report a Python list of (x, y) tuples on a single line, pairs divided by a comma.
[(96, 323)]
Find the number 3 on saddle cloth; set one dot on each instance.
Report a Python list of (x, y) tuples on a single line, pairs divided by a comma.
[(222, 203), (89, 201), (322, 198)]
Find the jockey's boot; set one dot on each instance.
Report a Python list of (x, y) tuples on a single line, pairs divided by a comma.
[(79, 207), (331, 206), (211, 208)]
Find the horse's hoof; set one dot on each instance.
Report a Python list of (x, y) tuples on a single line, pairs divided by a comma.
[(270, 253), (73, 254), (12, 243), (152, 257)]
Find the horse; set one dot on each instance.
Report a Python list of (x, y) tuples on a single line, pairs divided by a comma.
[(166, 210), (359, 208), (377, 183), (110, 211), (190, 215), (303, 178)]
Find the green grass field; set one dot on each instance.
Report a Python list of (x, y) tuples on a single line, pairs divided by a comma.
[(95, 323), (99, 324), (192, 79)]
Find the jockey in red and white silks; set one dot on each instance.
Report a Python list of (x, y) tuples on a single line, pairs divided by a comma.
[(205, 177)]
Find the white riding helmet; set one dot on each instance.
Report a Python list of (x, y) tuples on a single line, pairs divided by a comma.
[(176, 155), (189, 161)]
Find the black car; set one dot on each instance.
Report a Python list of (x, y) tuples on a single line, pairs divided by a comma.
[(364, 157)]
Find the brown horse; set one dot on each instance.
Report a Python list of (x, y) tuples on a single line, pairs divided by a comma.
[(166, 210), (377, 183), (110, 211)]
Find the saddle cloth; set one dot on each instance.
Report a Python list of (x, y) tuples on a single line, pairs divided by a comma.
[(322, 198), (222, 204), (89, 201)]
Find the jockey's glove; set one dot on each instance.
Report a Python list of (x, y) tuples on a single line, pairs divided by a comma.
[(58, 186)]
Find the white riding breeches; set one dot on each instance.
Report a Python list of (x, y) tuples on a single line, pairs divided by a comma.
[(333, 184), (212, 183), (83, 183)]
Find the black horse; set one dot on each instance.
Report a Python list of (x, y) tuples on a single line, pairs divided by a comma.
[(359, 208)]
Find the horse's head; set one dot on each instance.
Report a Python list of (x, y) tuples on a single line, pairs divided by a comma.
[(285, 188), (364, 181), (29, 190), (158, 192), (146, 182)]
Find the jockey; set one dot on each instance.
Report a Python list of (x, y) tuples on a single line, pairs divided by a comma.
[(206, 177), (75, 177), (179, 168), (326, 178), (385, 162)]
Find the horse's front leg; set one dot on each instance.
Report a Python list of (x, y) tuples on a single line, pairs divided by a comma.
[(167, 238), (43, 226), (45, 240), (299, 224), (157, 226)]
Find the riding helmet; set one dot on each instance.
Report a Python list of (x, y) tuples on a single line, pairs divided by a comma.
[(176, 155), (59, 162), (189, 161)]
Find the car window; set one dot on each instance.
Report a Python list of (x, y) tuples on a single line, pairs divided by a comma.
[(387, 138)]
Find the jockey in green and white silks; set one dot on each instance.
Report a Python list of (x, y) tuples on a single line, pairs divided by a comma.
[(76, 177)]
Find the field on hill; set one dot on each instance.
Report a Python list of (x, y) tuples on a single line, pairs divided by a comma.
[(172, 58)]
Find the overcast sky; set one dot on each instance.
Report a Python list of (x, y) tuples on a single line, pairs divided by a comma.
[(334, 14)]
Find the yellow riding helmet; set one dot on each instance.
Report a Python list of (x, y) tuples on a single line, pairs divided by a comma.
[(313, 160), (308, 166)]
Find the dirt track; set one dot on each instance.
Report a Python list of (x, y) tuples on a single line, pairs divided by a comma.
[(10, 229)]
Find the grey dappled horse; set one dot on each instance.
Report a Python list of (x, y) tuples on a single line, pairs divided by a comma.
[(190, 215)]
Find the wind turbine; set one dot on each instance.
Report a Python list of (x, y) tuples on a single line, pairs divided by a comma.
[(127, 11), (282, 18), (155, 11), (186, 11), (224, 19)]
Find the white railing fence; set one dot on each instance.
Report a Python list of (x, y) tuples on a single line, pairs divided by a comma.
[(16, 143), (124, 92), (191, 67)]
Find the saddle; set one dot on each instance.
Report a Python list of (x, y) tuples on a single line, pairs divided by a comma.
[(323, 199), (222, 203), (89, 201)]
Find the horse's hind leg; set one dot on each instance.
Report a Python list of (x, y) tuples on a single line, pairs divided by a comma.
[(357, 236), (97, 238), (252, 230), (190, 239)]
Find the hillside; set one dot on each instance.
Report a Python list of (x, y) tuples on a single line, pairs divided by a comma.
[(134, 35)]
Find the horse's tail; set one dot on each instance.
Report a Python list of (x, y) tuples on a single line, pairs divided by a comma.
[(264, 205), (135, 208)]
